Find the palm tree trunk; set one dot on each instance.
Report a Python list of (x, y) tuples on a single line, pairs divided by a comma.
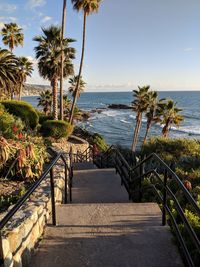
[(62, 58), (136, 132), (55, 98), (80, 71), (146, 134), (20, 91), (165, 130)]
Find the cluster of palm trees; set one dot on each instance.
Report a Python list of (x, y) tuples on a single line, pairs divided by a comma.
[(162, 111), (13, 70), (55, 55), (55, 59)]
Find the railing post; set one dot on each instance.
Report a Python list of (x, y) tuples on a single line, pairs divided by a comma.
[(164, 199), (1, 252), (101, 158), (66, 182), (53, 205), (140, 182), (70, 186)]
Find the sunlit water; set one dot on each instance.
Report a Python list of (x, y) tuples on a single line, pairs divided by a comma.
[(117, 125)]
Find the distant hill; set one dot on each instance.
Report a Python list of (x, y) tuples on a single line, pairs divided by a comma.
[(34, 89)]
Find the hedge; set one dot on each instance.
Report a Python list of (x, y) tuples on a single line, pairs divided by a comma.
[(56, 129), (22, 110)]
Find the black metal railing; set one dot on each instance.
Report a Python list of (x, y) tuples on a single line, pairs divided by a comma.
[(159, 174), (48, 170)]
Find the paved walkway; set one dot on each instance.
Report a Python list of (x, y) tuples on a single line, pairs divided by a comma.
[(103, 229)]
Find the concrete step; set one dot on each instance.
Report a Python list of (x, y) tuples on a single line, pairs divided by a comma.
[(106, 235), (98, 186), (84, 166)]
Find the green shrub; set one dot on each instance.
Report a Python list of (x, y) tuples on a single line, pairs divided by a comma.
[(24, 111), (43, 118), (9, 124), (56, 129), (100, 142)]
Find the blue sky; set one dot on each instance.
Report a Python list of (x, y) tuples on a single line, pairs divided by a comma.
[(129, 42)]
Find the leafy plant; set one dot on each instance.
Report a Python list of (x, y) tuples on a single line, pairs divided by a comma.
[(10, 125), (56, 129), (24, 111)]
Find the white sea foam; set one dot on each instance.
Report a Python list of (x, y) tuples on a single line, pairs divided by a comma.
[(188, 129), (124, 121), (110, 113)]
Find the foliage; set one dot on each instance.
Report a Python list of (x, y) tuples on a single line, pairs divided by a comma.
[(24, 69), (45, 101), (24, 111), (139, 105), (8, 67), (56, 129), (10, 125), (92, 138), (169, 115), (73, 83), (22, 159), (43, 117), (6, 201)]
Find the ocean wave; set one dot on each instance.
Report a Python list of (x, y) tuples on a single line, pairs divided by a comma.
[(124, 121), (110, 113), (189, 130)]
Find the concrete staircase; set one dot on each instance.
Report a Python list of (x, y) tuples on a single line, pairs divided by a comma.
[(101, 228)]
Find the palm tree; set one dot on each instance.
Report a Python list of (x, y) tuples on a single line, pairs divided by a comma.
[(88, 7), (62, 57), (12, 35), (49, 53), (8, 71), (72, 88), (45, 101), (25, 68), (140, 105), (169, 116)]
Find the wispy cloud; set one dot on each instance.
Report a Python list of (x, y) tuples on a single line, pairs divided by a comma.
[(187, 49), (4, 20), (8, 19), (46, 19), (35, 3), (8, 8)]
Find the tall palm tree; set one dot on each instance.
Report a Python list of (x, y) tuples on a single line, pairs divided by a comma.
[(45, 101), (72, 88), (12, 35), (25, 68), (62, 57), (169, 116), (49, 53), (139, 105), (8, 71), (88, 7), (151, 113)]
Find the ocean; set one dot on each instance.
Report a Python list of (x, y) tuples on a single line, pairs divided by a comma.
[(117, 126)]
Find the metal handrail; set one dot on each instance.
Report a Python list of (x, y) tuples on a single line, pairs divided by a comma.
[(167, 194), (23, 199)]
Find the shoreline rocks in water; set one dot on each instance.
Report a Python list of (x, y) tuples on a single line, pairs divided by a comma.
[(119, 106)]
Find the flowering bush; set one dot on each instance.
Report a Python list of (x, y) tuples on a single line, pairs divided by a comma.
[(22, 159), (10, 125)]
